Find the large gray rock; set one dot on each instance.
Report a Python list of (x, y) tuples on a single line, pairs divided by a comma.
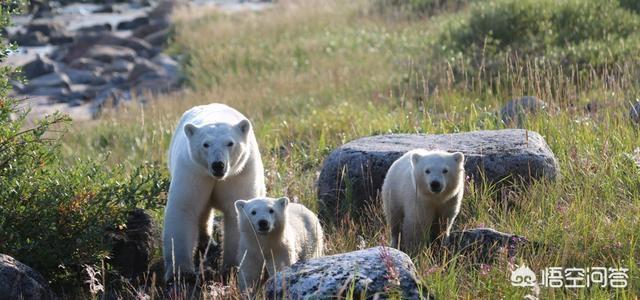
[(29, 39), (97, 28), (171, 67), (47, 27), (19, 281), (52, 92), (78, 76), (119, 66), (485, 244), (60, 38), (366, 273), (140, 46), (51, 80), (52, 29), (85, 44), (517, 110), (133, 24), (353, 174), (88, 64), (158, 39), (149, 29), (145, 67), (39, 66), (107, 54)]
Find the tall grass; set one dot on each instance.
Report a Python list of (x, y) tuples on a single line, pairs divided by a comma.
[(312, 76)]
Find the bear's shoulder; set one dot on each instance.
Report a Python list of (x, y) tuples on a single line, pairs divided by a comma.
[(300, 218)]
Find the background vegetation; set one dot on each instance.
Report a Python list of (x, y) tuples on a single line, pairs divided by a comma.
[(313, 75), (55, 213)]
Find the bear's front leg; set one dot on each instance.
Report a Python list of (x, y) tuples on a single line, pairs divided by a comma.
[(249, 270), (448, 226), (181, 225), (230, 242), (179, 239), (416, 229), (396, 229), (450, 215), (277, 260)]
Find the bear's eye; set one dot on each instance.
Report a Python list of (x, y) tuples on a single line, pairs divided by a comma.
[(445, 171), (230, 144), (206, 145), (271, 211), (428, 171), (253, 212)]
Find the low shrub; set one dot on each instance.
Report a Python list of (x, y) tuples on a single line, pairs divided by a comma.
[(583, 33), (54, 215)]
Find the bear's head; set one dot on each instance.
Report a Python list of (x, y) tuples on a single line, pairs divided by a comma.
[(221, 148), (262, 215), (437, 172)]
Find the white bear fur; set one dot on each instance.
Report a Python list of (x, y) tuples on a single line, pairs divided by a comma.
[(194, 190), (294, 233), (414, 211)]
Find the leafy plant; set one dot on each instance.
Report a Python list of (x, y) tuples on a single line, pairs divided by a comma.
[(586, 33), (53, 214)]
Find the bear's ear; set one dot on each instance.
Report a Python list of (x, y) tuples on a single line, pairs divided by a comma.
[(284, 201), (458, 157), (240, 204), (244, 126), (190, 129), (415, 158)]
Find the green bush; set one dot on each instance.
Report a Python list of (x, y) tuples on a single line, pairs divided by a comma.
[(54, 215), (568, 32)]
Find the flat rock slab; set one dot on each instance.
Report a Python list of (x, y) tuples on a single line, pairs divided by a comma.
[(485, 244), (353, 174), (378, 271), (19, 281)]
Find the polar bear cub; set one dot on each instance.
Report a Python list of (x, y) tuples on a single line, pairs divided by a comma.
[(422, 193), (274, 233), (213, 160)]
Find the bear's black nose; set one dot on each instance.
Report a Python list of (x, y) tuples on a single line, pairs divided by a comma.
[(263, 225), (218, 168), (436, 186)]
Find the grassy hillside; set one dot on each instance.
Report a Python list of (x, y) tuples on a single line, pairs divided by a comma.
[(313, 76)]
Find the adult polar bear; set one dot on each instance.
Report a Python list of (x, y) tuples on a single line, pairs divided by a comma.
[(213, 160)]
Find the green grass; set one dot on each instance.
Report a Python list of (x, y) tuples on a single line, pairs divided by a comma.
[(313, 77)]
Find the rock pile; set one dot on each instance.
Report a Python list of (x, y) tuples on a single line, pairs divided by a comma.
[(19, 281), (113, 53)]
